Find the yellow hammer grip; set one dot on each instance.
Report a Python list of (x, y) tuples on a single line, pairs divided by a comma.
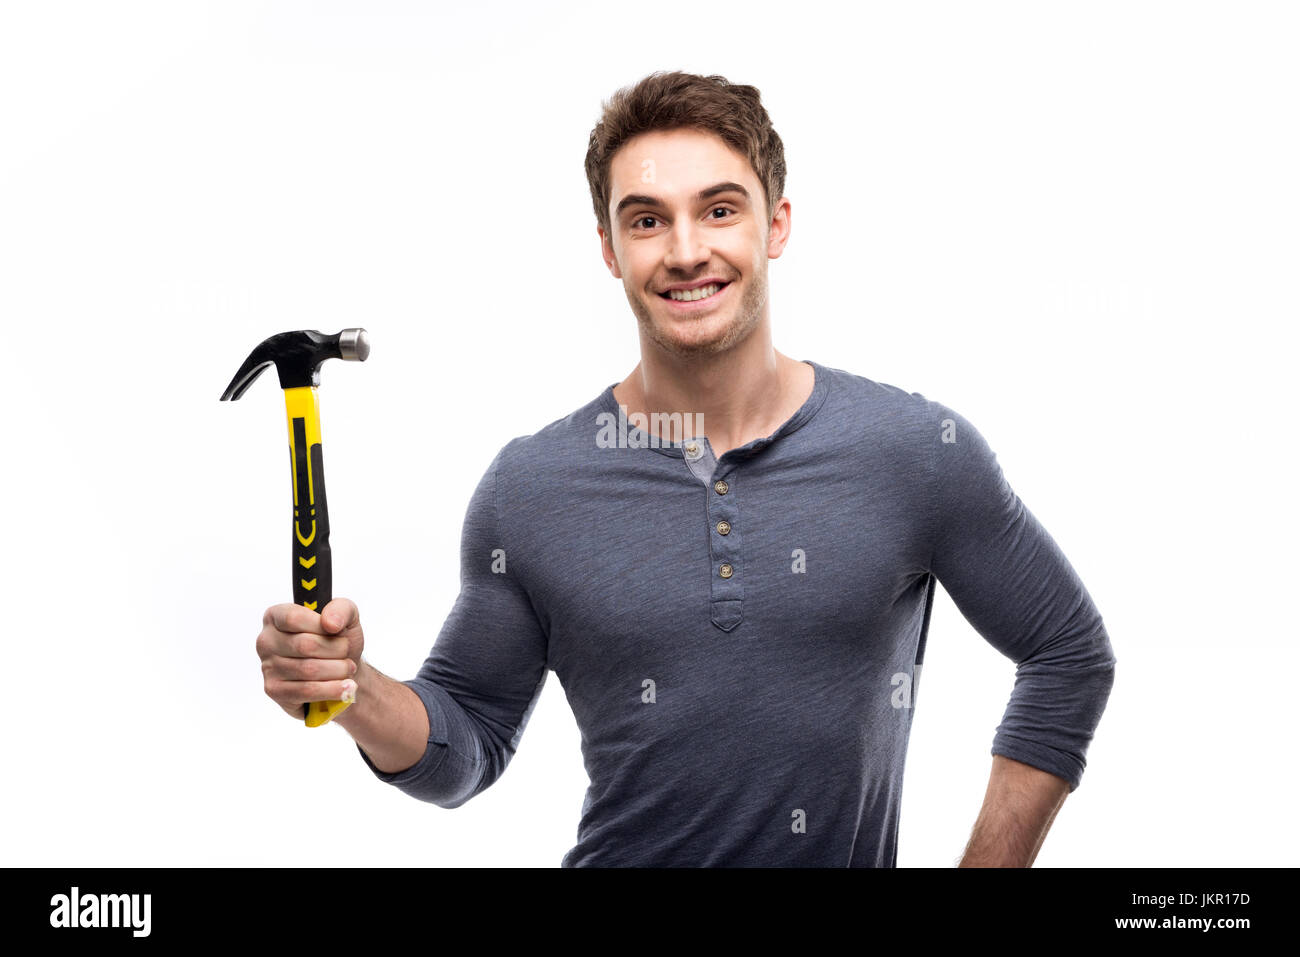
[(311, 528)]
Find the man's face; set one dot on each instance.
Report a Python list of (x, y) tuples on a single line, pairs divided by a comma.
[(686, 210)]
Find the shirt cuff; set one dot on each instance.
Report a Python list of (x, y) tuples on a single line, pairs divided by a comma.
[(435, 751), (1040, 756)]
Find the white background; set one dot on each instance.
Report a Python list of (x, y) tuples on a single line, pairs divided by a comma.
[(1074, 223)]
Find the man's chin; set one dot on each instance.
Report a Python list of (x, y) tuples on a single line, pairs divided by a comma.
[(691, 337)]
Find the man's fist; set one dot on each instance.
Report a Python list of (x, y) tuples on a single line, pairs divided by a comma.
[(308, 656)]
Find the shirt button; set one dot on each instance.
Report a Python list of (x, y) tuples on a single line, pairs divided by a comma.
[(692, 450), (724, 528), (725, 570), (720, 487)]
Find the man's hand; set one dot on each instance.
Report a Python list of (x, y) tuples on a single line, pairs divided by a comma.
[(1019, 807), (308, 656)]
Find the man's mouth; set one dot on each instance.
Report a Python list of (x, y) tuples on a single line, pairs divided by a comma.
[(694, 295)]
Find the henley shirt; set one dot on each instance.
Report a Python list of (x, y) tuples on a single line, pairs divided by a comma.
[(738, 636)]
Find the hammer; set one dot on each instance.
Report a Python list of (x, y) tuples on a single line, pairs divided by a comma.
[(298, 356)]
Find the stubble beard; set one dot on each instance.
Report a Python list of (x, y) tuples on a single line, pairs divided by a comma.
[(745, 320)]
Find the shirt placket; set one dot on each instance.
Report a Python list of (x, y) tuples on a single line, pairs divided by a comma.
[(721, 512)]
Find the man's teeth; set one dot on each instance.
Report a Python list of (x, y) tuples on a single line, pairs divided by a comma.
[(690, 295)]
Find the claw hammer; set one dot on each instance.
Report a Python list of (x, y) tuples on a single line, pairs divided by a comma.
[(298, 356)]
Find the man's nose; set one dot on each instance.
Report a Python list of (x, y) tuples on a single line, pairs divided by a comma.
[(686, 249)]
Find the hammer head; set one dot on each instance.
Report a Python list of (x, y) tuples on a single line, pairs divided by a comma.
[(297, 356)]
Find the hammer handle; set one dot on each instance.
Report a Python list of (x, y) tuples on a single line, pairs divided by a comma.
[(311, 525)]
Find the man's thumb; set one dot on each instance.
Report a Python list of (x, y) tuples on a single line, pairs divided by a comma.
[(339, 615)]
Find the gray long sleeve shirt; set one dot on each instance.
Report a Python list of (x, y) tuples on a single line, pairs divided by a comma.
[(737, 637)]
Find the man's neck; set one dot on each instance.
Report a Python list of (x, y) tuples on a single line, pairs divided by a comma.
[(741, 395)]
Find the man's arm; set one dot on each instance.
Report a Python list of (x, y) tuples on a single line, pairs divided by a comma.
[(1019, 806), (1011, 581), (448, 733), (388, 721)]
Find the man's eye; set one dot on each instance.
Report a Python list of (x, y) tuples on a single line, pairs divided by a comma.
[(640, 221)]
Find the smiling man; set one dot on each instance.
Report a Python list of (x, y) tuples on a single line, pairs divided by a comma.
[(737, 614)]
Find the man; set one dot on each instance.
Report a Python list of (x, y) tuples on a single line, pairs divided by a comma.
[(736, 611)]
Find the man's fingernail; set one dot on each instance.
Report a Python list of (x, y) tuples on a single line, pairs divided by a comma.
[(349, 691)]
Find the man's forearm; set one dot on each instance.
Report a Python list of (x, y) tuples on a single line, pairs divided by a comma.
[(1019, 807), (388, 720)]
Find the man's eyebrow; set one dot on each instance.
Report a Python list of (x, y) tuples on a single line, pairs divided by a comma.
[(640, 199)]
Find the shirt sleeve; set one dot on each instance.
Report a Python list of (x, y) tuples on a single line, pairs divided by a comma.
[(485, 672), (1011, 581)]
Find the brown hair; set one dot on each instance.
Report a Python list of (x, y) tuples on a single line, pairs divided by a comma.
[(672, 100)]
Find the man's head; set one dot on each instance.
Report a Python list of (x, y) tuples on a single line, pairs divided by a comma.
[(687, 179)]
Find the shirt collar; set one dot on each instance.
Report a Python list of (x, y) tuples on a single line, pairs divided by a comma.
[(821, 388)]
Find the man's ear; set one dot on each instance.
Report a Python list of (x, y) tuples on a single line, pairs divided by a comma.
[(778, 233), (607, 251)]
